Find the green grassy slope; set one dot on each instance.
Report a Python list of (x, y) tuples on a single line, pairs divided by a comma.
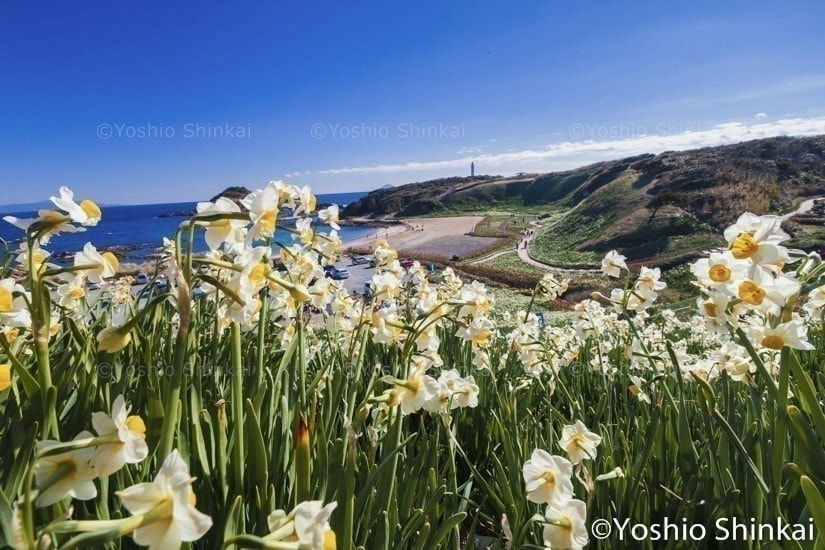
[(662, 207)]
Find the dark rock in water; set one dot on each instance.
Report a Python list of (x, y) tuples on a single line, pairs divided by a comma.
[(177, 214), (125, 248), (235, 194)]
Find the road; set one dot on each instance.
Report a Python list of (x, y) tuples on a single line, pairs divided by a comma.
[(803, 208)]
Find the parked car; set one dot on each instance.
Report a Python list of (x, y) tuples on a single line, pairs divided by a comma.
[(92, 286), (161, 284), (407, 263), (358, 260), (142, 279), (373, 263), (338, 274)]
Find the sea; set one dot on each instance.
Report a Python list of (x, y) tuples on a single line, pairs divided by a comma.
[(136, 232)]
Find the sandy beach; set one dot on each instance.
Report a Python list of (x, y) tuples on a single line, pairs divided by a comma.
[(444, 236)]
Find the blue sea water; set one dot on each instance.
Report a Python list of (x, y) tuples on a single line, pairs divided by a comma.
[(142, 228)]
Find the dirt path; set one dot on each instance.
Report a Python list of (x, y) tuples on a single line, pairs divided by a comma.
[(806, 206), (523, 251), (524, 255)]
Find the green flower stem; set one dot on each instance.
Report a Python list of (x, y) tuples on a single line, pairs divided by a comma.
[(78, 444), (262, 322), (237, 411), (780, 423), (171, 406), (97, 533), (41, 317), (302, 362), (71, 269)]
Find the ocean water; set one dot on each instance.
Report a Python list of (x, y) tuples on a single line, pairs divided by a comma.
[(141, 228)]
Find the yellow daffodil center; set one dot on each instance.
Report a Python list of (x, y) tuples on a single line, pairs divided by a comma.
[(413, 384), (92, 210), (6, 300), (135, 424), (267, 221), (309, 203), (77, 293), (482, 338), (5, 376), (710, 309), (719, 273), (751, 293), (743, 246), (12, 334), (192, 499), (257, 276), (330, 542), (39, 257), (773, 342), (549, 478), (393, 398), (111, 259)]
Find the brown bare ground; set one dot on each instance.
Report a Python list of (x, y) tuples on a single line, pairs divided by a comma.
[(443, 236)]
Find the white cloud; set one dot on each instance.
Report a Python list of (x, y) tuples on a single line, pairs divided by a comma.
[(571, 154), (760, 115)]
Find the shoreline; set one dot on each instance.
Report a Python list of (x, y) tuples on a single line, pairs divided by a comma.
[(412, 236)]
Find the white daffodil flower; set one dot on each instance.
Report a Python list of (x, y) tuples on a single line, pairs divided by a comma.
[(329, 216), (719, 268), (613, 263), (547, 478), (169, 496), (101, 266), (86, 213), (131, 446), (226, 230), (64, 475), (54, 223), (757, 238), (793, 334), (13, 309), (416, 390), (264, 205), (579, 442), (567, 525), (478, 331), (312, 522)]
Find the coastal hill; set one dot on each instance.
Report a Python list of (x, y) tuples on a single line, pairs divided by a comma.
[(648, 206), (232, 193)]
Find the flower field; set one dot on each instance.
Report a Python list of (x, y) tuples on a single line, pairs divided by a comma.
[(252, 402)]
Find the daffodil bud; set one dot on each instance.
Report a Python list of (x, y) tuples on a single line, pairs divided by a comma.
[(300, 293), (112, 339), (613, 474), (303, 455)]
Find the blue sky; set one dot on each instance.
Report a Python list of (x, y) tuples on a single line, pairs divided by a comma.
[(137, 102)]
